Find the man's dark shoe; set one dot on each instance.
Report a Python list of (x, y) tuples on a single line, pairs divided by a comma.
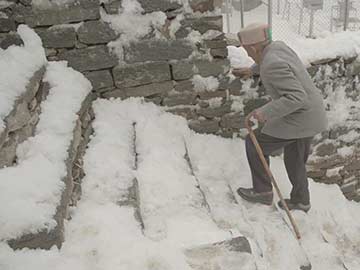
[(251, 195), (295, 206)]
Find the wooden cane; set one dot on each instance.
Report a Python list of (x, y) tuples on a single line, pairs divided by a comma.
[(269, 173)]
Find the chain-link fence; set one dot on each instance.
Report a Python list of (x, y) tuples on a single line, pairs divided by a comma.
[(293, 18)]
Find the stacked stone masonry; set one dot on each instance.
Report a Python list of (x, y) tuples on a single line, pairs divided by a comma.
[(164, 71)]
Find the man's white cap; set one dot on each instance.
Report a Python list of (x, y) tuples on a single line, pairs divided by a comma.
[(254, 33)]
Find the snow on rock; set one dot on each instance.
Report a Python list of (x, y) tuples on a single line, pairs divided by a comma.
[(238, 57), (343, 44), (202, 84), (124, 22), (32, 189), (17, 66)]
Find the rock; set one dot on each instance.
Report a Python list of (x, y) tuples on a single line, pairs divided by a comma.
[(81, 10), (232, 40), (213, 256), (350, 187), (157, 50), (100, 79), (213, 94), (328, 162), (202, 5), (50, 52), (313, 70), (337, 132), (182, 32), (149, 89), (354, 165), (219, 53), (212, 68), (315, 173), (117, 93), (204, 126), (8, 152), (182, 86), (236, 85), (140, 74), (18, 118), (26, 2), (355, 68), (215, 44), (96, 32), (63, 37), (7, 25), (179, 99), (182, 70), (112, 7), (203, 24), (325, 149), (10, 39), (211, 113), (233, 121), (86, 104), (159, 5), (156, 99), (89, 59), (187, 113)]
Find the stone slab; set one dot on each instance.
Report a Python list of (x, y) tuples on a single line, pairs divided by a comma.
[(58, 37), (100, 79), (149, 89), (89, 59), (204, 126), (208, 68), (182, 70), (158, 50), (140, 74), (159, 5), (113, 7), (78, 11), (203, 24), (7, 25), (96, 32)]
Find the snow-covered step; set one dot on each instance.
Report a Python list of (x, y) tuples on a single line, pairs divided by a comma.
[(220, 161), (172, 207)]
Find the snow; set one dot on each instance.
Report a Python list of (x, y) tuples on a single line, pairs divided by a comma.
[(239, 58), (202, 84), (124, 22), (17, 65), (104, 234), (346, 151), (325, 45), (32, 188)]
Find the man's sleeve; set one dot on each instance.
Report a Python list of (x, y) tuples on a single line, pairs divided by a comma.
[(292, 94)]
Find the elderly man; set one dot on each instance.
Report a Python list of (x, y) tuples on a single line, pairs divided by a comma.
[(295, 114)]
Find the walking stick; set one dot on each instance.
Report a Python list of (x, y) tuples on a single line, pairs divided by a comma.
[(269, 173)]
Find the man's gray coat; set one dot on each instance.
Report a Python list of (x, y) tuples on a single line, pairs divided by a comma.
[(296, 109)]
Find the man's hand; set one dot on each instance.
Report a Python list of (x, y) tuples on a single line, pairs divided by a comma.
[(258, 116), (243, 73)]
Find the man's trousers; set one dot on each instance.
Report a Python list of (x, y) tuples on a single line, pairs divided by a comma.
[(296, 152)]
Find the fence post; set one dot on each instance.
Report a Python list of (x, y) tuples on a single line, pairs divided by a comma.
[(227, 15), (242, 13), (278, 7), (347, 14), (270, 9)]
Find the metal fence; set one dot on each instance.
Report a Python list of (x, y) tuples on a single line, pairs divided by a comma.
[(294, 18)]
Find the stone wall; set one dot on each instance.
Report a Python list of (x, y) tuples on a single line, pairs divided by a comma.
[(336, 156), (70, 195), (22, 120)]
